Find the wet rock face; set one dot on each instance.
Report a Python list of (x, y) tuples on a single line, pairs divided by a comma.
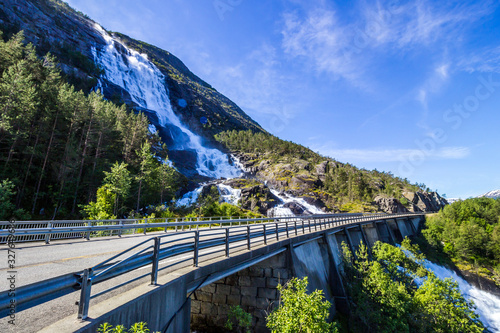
[(296, 208), (48, 25)]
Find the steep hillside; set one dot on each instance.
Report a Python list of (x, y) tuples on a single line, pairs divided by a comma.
[(322, 181), (53, 26)]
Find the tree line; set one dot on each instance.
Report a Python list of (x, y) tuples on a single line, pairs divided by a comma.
[(468, 232)]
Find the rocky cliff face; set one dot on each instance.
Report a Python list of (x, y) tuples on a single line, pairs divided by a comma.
[(52, 26), (303, 179), (417, 202)]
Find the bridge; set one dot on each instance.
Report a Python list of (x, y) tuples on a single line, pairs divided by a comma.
[(71, 276)]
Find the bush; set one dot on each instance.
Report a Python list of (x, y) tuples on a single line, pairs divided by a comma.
[(299, 311), (238, 320)]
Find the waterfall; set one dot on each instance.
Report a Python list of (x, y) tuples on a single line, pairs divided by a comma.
[(281, 210), (487, 305), (229, 194), (189, 198), (133, 72)]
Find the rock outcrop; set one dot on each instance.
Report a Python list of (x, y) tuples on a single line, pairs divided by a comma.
[(255, 196), (424, 201), (390, 205)]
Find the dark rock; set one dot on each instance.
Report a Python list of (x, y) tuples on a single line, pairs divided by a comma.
[(258, 197), (315, 202), (296, 208), (390, 205), (425, 201)]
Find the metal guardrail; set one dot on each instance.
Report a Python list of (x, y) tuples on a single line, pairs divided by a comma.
[(192, 246), (26, 231), (26, 236)]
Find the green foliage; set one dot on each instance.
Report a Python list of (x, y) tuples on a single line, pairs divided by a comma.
[(299, 311), (102, 208), (469, 232), (384, 295), (140, 327), (238, 320), (75, 58), (118, 180), (56, 143), (7, 208)]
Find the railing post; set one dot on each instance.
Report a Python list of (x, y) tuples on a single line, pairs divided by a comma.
[(295, 226), (265, 236), (166, 221), (89, 224), (303, 228), (248, 237), (145, 222), (309, 223), (156, 252), (121, 226), (287, 235), (47, 235), (196, 244), (227, 242), (277, 233), (83, 305)]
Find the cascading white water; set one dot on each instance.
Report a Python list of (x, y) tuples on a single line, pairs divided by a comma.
[(488, 305), (229, 194), (189, 198), (280, 210), (145, 83)]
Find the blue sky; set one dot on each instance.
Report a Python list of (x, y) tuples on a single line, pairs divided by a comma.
[(410, 87)]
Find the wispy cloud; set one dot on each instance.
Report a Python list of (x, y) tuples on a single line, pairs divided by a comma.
[(432, 85), (320, 38), (486, 60), (391, 155), (347, 50), (255, 83)]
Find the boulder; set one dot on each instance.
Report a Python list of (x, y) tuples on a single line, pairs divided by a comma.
[(425, 201), (296, 208), (390, 205), (258, 197), (322, 169)]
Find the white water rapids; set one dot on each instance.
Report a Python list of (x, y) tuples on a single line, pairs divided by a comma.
[(487, 305), (133, 72)]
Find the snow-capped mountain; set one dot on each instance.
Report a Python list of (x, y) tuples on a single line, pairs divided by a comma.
[(491, 194)]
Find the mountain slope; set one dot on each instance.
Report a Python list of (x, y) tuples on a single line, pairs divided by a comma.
[(53, 26)]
